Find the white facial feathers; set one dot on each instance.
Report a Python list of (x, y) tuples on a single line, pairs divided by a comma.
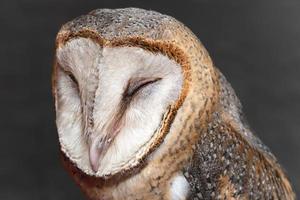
[(110, 110)]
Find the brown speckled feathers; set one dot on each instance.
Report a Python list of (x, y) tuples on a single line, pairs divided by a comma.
[(230, 162)]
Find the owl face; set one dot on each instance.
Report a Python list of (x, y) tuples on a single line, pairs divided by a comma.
[(111, 103)]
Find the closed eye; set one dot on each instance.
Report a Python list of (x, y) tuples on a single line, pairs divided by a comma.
[(72, 77), (137, 84)]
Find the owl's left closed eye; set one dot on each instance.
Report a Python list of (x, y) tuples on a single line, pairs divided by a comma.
[(136, 85)]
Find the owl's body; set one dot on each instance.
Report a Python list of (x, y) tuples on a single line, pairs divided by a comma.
[(146, 115)]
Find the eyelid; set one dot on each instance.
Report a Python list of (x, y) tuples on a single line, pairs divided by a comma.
[(72, 77), (134, 85)]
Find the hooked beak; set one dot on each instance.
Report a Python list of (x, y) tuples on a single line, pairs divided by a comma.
[(99, 146), (94, 155)]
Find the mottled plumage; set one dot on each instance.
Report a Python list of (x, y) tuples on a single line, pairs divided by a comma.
[(201, 149)]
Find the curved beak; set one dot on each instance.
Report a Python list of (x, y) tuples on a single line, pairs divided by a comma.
[(99, 146), (97, 149), (94, 155)]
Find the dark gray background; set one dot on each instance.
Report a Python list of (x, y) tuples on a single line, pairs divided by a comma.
[(256, 44)]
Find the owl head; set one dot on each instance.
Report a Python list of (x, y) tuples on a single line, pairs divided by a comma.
[(124, 82)]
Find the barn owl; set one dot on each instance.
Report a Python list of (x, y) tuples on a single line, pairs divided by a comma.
[(143, 113)]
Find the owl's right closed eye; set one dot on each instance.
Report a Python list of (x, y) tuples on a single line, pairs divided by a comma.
[(142, 113)]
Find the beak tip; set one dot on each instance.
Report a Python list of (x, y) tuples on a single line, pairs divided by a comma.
[(94, 156), (94, 168)]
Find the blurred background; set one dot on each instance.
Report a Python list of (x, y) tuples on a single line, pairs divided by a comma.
[(256, 44)]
